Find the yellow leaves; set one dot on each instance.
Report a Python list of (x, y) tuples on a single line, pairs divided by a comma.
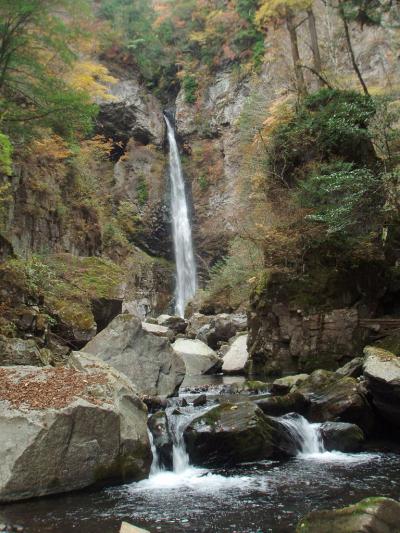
[(92, 78), (281, 112), (52, 147), (97, 148), (273, 9)]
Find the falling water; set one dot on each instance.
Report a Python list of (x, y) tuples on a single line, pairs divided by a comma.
[(182, 234), (307, 436)]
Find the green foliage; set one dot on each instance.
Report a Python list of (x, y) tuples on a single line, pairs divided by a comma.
[(328, 125), (203, 183), (142, 192), (36, 50), (190, 86), (345, 200), (5, 154)]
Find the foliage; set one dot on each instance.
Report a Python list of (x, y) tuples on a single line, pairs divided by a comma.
[(36, 43), (189, 84), (142, 192), (5, 154)]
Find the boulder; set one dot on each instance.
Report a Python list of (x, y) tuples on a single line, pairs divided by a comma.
[(149, 361), (221, 328), (196, 322), (293, 402), (342, 437), (67, 428), (286, 384), (336, 398), (247, 386), (382, 371), (176, 323), (200, 400), (157, 330), (198, 357), (375, 515), (352, 369), (233, 433), (235, 359), (19, 352), (158, 425)]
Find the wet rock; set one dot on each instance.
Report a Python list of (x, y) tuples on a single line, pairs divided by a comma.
[(233, 433), (154, 403), (286, 384), (158, 425), (336, 398), (352, 369), (342, 437), (375, 515), (198, 357), (240, 387), (63, 429), (200, 400), (149, 361), (236, 358), (293, 402), (176, 323), (382, 373), (19, 352)]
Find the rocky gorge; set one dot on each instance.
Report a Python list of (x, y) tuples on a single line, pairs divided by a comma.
[(268, 390)]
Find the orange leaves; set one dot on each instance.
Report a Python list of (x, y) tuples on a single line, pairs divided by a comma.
[(52, 147), (92, 78), (281, 112)]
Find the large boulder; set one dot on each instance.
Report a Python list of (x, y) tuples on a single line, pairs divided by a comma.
[(149, 361), (352, 369), (288, 383), (176, 323), (198, 357), (336, 398), (157, 330), (372, 515), (294, 402), (342, 437), (235, 359), (221, 328), (63, 429), (382, 371), (233, 433)]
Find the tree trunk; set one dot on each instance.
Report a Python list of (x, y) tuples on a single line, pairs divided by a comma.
[(312, 28), (301, 86), (350, 48)]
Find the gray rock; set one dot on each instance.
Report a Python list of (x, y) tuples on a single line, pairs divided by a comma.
[(176, 323), (293, 402), (352, 369), (157, 330), (236, 358), (200, 400), (63, 429), (382, 372), (149, 361), (375, 515), (129, 528), (342, 437), (19, 352), (198, 357)]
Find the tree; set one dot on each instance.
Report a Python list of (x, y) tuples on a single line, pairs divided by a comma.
[(36, 50)]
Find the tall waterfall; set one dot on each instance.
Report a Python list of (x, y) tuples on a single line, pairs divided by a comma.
[(181, 230)]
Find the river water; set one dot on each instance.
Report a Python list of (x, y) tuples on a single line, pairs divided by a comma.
[(267, 496)]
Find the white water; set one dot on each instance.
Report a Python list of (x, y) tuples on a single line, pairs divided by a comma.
[(181, 230)]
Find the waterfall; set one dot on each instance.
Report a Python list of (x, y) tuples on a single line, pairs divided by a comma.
[(181, 230), (306, 435)]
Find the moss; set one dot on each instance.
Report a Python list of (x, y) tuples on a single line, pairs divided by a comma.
[(132, 466), (390, 343)]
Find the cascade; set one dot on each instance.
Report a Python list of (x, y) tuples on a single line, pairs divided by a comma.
[(306, 435), (181, 230)]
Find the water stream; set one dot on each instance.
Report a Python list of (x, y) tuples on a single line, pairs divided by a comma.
[(181, 230)]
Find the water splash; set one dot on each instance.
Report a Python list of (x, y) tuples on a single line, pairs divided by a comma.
[(181, 230)]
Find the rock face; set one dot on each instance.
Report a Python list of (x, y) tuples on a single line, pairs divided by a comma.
[(233, 433), (235, 359), (198, 357), (342, 437), (149, 361), (286, 340), (336, 398), (64, 429), (375, 515), (382, 370), (132, 112)]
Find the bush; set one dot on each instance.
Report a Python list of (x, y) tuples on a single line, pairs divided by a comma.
[(189, 85)]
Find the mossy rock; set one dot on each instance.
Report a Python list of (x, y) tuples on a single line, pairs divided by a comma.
[(372, 514)]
